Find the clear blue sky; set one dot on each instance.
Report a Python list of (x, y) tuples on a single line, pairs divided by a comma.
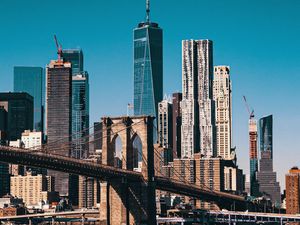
[(258, 39)]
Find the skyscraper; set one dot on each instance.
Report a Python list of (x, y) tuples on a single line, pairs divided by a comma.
[(31, 80), (80, 115), (176, 114), (198, 111), (266, 177), (265, 134), (75, 57), (253, 155), (165, 126), (148, 67), (222, 98), (18, 110), (59, 115)]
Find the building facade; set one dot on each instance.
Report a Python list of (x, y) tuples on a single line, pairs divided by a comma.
[(75, 57), (59, 116), (31, 188), (222, 98), (165, 126), (266, 134), (148, 68), (292, 185), (18, 109), (32, 140), (253, 156), (198, 110), (32, 80), (4, 179), (176, 121), (80, 115)]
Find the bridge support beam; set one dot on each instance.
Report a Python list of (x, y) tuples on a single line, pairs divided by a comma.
[(123, 201)]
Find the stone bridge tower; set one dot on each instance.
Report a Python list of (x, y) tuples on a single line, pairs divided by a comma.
[(128, 144)]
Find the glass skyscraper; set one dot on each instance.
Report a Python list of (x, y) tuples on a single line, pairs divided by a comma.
[(80, 115), (75, 57), (265, 134), (31, 80), (148, 68)]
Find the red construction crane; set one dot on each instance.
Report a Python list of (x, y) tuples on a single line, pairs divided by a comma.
[(251, 113), (59, 49)]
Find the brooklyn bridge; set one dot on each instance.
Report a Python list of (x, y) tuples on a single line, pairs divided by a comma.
[(124, 192)]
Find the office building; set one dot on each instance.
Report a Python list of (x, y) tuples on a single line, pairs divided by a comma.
[(253, 156), (32, 80), (266, 179), (18, 109), (266, 134), (32, 188), (292, 185), (80, 115), (75, 57), (59, 116), (15, 169), (32, 139), (165, 126), (176, 114), (233, 179), (4, 179), (98, 135), (88, 190), (148, 68), (197, 105), (222, 98)]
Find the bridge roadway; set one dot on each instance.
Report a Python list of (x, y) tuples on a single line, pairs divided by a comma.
[(103, 172), (230, 217)]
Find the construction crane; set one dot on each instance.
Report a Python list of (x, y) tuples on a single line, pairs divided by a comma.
[(59, 49), (251, 112)]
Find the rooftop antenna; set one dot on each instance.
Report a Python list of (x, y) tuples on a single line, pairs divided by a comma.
[(147, 11)]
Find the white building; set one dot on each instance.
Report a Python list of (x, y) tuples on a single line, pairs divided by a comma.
[(32, 139), (165, 123), (197, 131), (222, 98)]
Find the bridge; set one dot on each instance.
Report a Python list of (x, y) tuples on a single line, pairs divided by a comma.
[(124, 192)]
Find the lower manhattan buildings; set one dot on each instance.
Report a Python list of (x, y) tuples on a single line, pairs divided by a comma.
[(292, 185), (59, 115), (198, 112)]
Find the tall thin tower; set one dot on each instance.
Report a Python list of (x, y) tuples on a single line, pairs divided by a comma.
[(148, 67), (198, 112)]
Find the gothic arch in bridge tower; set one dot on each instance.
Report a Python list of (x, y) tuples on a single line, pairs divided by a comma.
[(137, 151), (116, 148)]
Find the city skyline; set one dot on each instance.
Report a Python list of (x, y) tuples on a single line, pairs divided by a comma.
[(260, 90)]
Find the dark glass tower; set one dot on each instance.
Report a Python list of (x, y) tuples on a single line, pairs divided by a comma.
[(148, 67), (31, 80), (18, 110), (265, 134), (80, 115), (177, 97), (266, 177), (59, 116), (75, 57)]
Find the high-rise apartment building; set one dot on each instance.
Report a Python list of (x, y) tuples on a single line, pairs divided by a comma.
[(148, 68), (75, 57), (176, 114), (18, 109), (32, 80), (266, 177), (80, 115), (222, 98), (253, 156), (165, 126), (292, 185), (32, 139), (59, 116), (198, 110), (32, 188)]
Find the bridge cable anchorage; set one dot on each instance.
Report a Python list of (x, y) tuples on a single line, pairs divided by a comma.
[(178, 173)]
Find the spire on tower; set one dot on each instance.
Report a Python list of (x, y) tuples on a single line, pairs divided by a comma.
[(147, 11)]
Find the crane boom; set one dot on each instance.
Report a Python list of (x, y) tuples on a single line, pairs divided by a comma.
[(251, 113), (59, 48)]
